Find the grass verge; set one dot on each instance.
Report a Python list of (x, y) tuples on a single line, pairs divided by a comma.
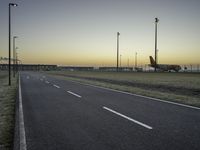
[(7, 110), (177, 87)]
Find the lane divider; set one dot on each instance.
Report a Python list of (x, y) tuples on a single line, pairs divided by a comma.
[(128, 118), (56, 86), (47, 82), (74, 94), (70, 92)]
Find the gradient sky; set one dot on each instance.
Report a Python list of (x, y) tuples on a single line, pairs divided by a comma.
[(83, 32)]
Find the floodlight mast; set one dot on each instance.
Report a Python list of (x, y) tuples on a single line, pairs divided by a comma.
[(118, 34), (14, 55), (9, 40), (156, 22), (120, 61), (13, 4), (135, 59)]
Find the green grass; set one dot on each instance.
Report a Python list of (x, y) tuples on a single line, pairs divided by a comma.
[(7, 110), (179, 87)]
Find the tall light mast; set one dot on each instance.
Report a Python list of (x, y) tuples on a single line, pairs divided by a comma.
[(156, 23)]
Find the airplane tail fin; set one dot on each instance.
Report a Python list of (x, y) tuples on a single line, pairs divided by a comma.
[(152, 61)]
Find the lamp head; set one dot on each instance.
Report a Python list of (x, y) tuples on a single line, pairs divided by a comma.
[(156, 19), (13, 4)]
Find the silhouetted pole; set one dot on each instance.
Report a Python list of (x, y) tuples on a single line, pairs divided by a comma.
[(14, 57), (118, 51), (135, 59), (9, 32), (16, 62), (156, 22), (120, 61)]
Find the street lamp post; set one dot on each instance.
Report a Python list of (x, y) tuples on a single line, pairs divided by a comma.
[(156, 22), (16, 61), (14, 57), (118, 51), (9, 53), (136, 60), (120, 61)]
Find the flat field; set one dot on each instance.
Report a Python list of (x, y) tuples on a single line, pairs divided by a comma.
[(7, 110), (179, 87)]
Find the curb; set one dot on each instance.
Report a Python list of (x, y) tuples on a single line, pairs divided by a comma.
[(16, 128)]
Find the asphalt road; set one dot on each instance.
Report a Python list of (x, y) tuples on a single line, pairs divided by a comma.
[(64, 115)]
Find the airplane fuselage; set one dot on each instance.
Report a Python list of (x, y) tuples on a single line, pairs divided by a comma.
[(164, 67)]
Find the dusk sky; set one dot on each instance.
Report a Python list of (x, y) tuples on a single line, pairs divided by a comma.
[(83, 32)]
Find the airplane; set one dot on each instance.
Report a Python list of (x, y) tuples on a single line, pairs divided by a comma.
[(164, 67)]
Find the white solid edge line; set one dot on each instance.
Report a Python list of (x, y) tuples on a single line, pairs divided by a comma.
[(22, 134), (74, 94), (56, 86), (128, 118), (155, 99)]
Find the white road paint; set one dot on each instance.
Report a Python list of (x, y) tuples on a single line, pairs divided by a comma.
[(56, 86), (74, 94), (22, 134), (41, 79), (27, 77), (128, 118), (44, 76), (47, 82), (151, 98)]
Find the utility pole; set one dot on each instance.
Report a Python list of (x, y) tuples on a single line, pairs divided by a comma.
[(135, 59), (9, 42), (14, 57), (118, 51), (16, 62), (120, 61), (156, 22)]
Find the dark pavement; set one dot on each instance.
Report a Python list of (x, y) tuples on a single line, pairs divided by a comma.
[(64, 115)]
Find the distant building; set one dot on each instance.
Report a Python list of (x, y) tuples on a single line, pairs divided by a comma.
[(114, 69), (74, 68), (30, 67)]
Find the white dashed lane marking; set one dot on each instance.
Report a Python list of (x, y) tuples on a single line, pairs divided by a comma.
[(56, 86), (128, 118), (74, 94)]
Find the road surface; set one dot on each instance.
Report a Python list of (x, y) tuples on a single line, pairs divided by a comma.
[(65, 115)]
